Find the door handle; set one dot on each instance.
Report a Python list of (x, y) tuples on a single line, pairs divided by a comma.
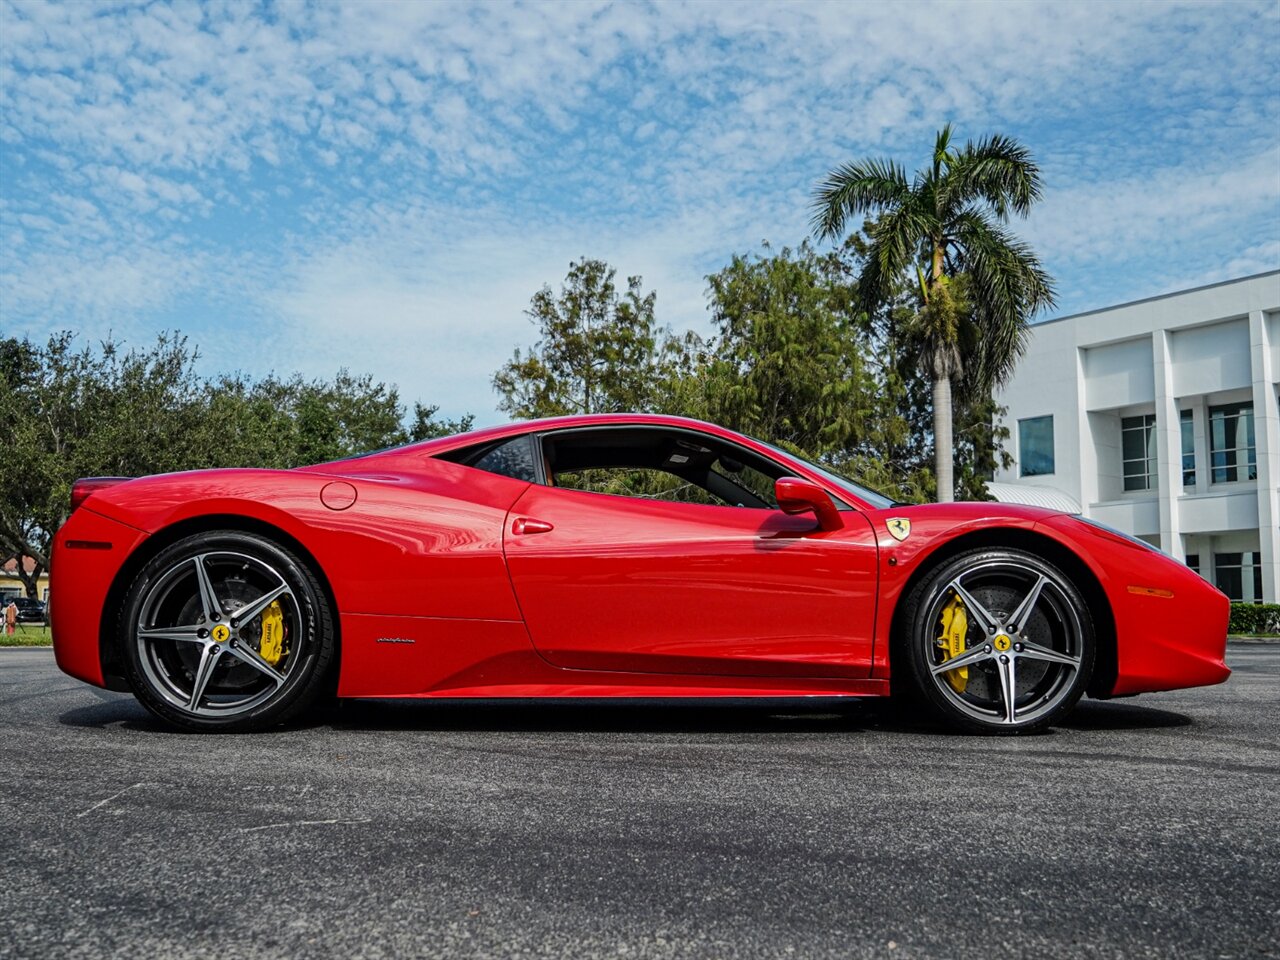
[(526, 525)]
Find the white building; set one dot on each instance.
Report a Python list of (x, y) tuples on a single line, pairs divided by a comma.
[(1159, 418)]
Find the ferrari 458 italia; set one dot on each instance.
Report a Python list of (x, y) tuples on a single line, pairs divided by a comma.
[(606, 556)]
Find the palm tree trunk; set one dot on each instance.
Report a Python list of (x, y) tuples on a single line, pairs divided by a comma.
[(942, 443)]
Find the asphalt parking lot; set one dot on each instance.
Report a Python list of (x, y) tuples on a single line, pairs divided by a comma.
[(1148, 827)]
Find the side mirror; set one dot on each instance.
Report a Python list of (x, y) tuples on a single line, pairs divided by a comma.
[(800, 496)]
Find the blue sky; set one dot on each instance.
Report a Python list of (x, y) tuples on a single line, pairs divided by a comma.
[(385, 185)]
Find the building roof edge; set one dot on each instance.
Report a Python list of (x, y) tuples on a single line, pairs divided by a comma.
[(1158, 296)]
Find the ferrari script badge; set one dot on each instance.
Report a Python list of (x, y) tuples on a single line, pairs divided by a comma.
[(899, 527)]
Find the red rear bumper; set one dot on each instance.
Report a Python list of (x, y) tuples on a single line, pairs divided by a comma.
[(87, 554)]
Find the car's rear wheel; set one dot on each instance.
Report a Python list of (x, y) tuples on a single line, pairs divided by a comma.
[(227, 631), (999, 641)]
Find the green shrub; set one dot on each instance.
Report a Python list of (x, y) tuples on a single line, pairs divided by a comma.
[(1254, 618)]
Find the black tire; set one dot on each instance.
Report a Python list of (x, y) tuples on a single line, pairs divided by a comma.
[(235, 673), (1027, 622)]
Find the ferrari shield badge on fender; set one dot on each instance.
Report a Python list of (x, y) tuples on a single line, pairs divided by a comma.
[(899, 527)]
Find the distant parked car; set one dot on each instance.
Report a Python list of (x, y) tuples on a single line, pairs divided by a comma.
[(29, 611)]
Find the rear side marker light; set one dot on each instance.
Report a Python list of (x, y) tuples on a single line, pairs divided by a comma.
[(1151, 592), (87, 545)]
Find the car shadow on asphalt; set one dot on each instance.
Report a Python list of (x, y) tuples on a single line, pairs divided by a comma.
[(631, 716), (1112, 715), (728, 715), (606, 716), (535, 716)]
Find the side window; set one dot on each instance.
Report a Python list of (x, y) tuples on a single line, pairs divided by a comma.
[(747, 478), (639, 482), (653, 463), (510, 458)]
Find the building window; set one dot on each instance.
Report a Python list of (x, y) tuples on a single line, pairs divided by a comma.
[(1239, 576), (1035, 446), (1232, 455), (1138, 450), (1193, 561), (1188, 449)]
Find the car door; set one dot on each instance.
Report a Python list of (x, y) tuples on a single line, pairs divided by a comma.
[(619, 583)]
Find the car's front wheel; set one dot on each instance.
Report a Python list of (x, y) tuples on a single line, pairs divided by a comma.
[(998, 640), (227, 631)]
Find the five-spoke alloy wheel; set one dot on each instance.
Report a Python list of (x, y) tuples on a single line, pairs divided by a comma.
[(226, 631), (998, 640)]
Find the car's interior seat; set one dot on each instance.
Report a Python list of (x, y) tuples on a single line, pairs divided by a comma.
[(548, 461)]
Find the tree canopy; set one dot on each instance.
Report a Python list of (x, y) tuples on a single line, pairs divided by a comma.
[(69, 410), (599, 350), (978, 285), (794, 360), (793, 357)]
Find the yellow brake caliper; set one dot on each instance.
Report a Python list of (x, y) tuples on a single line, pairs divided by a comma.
[(955, 625), (271, 649)]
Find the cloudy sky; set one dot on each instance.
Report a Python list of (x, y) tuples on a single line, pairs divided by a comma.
[(384, 185)]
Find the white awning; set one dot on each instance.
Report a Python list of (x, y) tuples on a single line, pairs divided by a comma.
[(1033, 495)]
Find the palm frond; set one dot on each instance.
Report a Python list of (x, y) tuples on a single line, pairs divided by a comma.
[(940, 145), (998, 170), (1008, 287), (895, 240), (853, 189)]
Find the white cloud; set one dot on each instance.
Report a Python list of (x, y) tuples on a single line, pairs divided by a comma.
[(399, 178), (1159, 231), (103, 293), (1126, 218), (434, 298)]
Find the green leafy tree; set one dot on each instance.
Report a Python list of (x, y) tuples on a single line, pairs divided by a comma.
[(788, 360), (795, 360), (425, 426), (895, 353), (349, 414), (979, 445), (68, 412), (901, 461), (599, 350), (978, 285)]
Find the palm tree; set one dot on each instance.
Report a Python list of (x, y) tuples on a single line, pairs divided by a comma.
[(978, 284)]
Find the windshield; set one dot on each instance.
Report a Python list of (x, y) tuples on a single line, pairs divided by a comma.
[(874, 498)]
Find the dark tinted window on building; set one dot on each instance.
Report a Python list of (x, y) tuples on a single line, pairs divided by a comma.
[(1239, 576), (1138, 449), (1035, 446), (1188, 449), (1231, 448)]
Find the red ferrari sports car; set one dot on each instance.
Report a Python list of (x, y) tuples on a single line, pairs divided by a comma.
[(606, 556)]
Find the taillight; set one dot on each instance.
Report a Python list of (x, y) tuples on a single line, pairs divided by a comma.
[(85, 487)]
